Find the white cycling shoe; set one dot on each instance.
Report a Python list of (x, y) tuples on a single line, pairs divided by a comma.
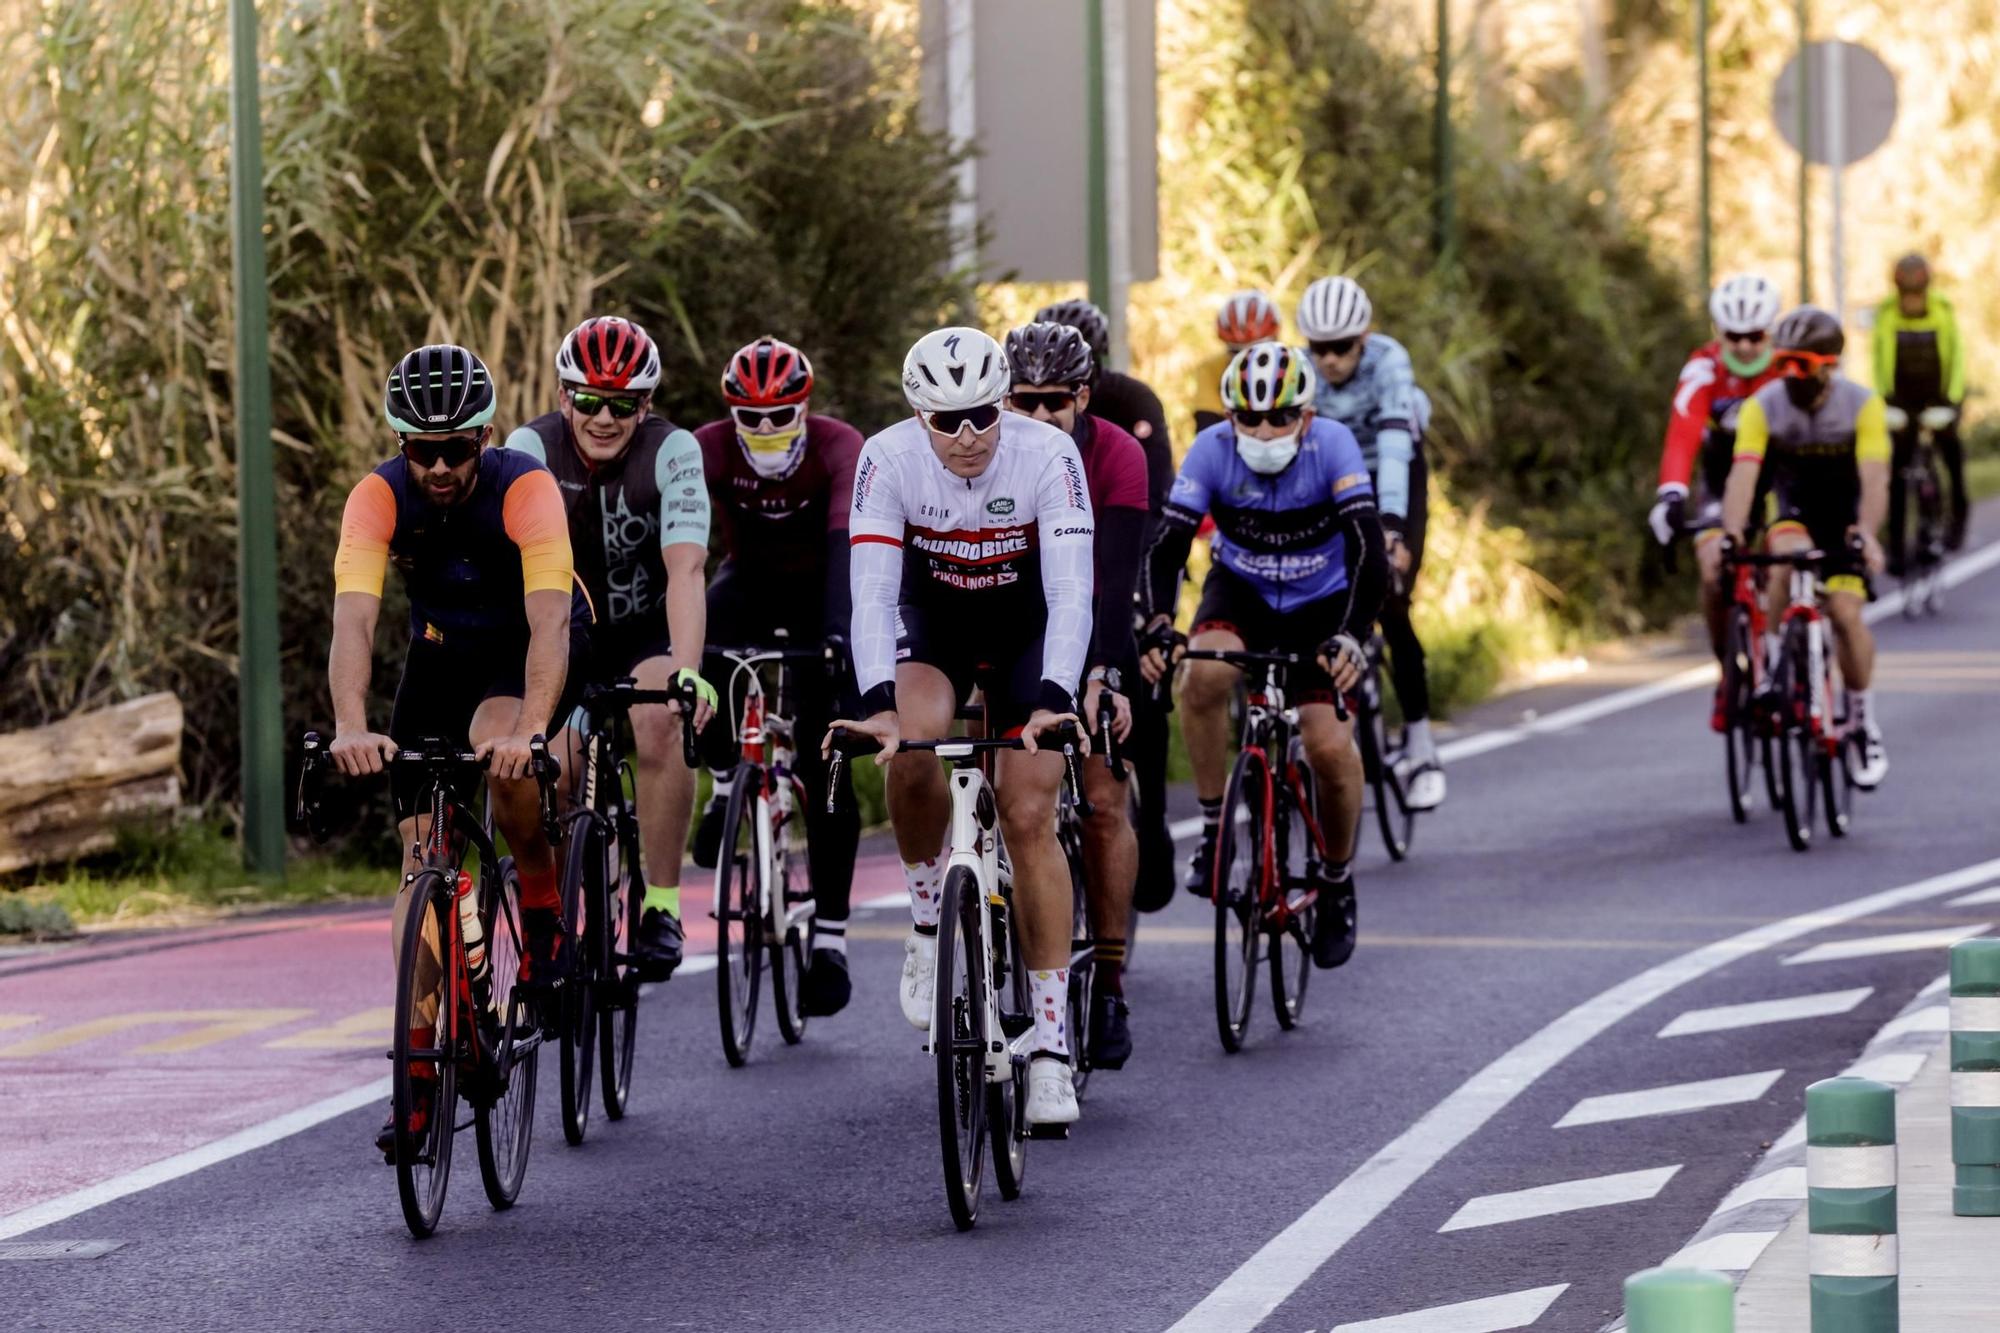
[(1426, 786), (919, 979), (1051, 1092), (1871, 758)]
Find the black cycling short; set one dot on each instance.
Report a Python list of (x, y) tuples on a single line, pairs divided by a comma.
[(1007, 668), (617, 650), (1227, 602), (1845, 569), (443, 687)]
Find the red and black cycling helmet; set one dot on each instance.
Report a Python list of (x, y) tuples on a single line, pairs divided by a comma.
[(767, 373), (609, 354)]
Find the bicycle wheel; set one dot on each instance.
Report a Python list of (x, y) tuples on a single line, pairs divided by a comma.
[(958, 1044), (618, 994), (504, 1124), (1007, 1100), (422, 1055), (1290, 948), (1395, 819), (1069, 836), (1792, 747), (1238, 885), (739, 920), (791, 889), (1739, 737), (582, 890), (1830, 771)]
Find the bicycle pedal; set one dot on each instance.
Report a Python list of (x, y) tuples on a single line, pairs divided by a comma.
[(1056, 1132)]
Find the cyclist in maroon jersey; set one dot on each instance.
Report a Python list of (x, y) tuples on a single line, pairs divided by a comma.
[(1051, 368), (779, 479)]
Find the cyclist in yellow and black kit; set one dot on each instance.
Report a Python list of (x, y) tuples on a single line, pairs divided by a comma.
[(1820, 442), (1920, 370)]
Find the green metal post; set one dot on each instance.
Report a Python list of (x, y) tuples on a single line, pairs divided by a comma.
[(1805, 162), (1975, 1077), (1851, 1206), (1097, 196), (1679, 1300), (1443, 224), (1701, 84), (257, 535)]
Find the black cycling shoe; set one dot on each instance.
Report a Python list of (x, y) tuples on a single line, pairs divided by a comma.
[(708, 834), (658, 948), (1334, 925), (420, 1120), (1110, 1033), (826, 988), (1155, 886), (1203, 864), (544, 944)]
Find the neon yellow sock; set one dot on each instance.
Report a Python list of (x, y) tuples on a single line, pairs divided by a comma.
[(665, 898)]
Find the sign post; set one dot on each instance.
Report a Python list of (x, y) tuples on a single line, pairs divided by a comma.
[(1835, 106)]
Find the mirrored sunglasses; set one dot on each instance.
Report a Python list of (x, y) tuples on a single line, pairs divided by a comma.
[(951, 422), (589, 403)]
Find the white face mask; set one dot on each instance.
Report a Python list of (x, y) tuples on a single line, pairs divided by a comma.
[(1267, 457)]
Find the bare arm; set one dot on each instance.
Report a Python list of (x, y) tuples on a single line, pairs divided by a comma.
[(548, 658), (1874, 495), (351, 663), (1738, 494), (687, 601)]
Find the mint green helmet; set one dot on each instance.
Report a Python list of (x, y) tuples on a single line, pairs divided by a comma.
[(437, 389)]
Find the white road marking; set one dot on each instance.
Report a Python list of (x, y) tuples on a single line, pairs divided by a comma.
[(1913, 941), (901, 898), (1269, 1276), (1930, 1018), (69, 1205), (1565, 1196), (1671, 1099), (1730, 1252), (1491, 1314), (1977, 898), (1895, 1068), (1725, 1017), (1787, 1182)]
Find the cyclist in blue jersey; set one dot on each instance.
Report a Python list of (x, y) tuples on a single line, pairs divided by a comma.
[(1366, 384), (1298, 567)]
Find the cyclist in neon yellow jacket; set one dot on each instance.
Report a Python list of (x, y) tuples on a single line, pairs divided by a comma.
[(1920, 369)]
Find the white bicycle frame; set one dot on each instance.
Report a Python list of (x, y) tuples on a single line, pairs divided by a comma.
[(751, 727), (975, 845)]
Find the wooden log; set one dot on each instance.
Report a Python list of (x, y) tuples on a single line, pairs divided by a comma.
[(83, 822), (105, 748)]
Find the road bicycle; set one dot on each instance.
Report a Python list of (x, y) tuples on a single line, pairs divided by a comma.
[(763, 878), (1746, 726), (604, 889), (462, 1011), (1806, 746), (1923, 555), (1270, 855), (1381, 763), (982, 1030)]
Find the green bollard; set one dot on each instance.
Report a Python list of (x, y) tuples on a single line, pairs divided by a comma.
[(1975, 1077), (1851, 1205), (1679, 1300)]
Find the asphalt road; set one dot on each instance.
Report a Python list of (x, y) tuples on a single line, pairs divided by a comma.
[(1560, 913)]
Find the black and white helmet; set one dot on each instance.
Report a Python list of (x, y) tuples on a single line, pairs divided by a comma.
[(1085, 318), (1745, 303), (1334, 308), (953, 369), (1049, 353), (437, 389)]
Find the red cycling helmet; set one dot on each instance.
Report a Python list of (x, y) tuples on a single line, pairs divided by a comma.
[(767, 373), (606, 352), (1246, 317)]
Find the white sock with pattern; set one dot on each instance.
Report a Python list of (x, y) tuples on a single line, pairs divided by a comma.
[(925, 880), (1048, 993)]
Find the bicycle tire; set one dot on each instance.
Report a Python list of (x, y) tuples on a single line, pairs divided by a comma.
[(618, 999), (1236, 884), (788, 953), (1738, 736), (1082, 969), (1836, 791), (582, 891), (1290, 949), (739, 925), (958, 1044), (1793, 744), (423, 1168), (505, 1126), (1007, 1101), (1393, 817)]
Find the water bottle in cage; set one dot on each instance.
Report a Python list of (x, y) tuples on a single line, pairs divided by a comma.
[(474, 933)]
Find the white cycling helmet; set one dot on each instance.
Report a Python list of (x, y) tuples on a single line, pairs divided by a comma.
[(953, 369), (1334, 308), (1745, 303)]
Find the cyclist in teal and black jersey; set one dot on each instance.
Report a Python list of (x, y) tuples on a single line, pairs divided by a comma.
[(638, 518)]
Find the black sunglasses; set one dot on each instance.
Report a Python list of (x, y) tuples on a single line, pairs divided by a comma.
[(623, 407), (454, 450), (953, 421), (1333, 346), (1277, 416), (1055, 400), (1754, 337), (778, 418)]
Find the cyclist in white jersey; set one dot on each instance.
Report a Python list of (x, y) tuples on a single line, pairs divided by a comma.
[(971, 564)]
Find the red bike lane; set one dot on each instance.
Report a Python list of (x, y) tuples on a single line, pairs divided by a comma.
[(117, 1054)]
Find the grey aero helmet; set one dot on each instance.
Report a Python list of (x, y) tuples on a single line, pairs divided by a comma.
[(437, 389)]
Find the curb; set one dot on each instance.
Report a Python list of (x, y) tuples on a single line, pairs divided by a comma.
[(1750, 1216)]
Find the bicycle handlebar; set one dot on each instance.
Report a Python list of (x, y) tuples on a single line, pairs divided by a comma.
[(1107, 713), (434, 756), (845, 744), (624, 694), (1243, 657)]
